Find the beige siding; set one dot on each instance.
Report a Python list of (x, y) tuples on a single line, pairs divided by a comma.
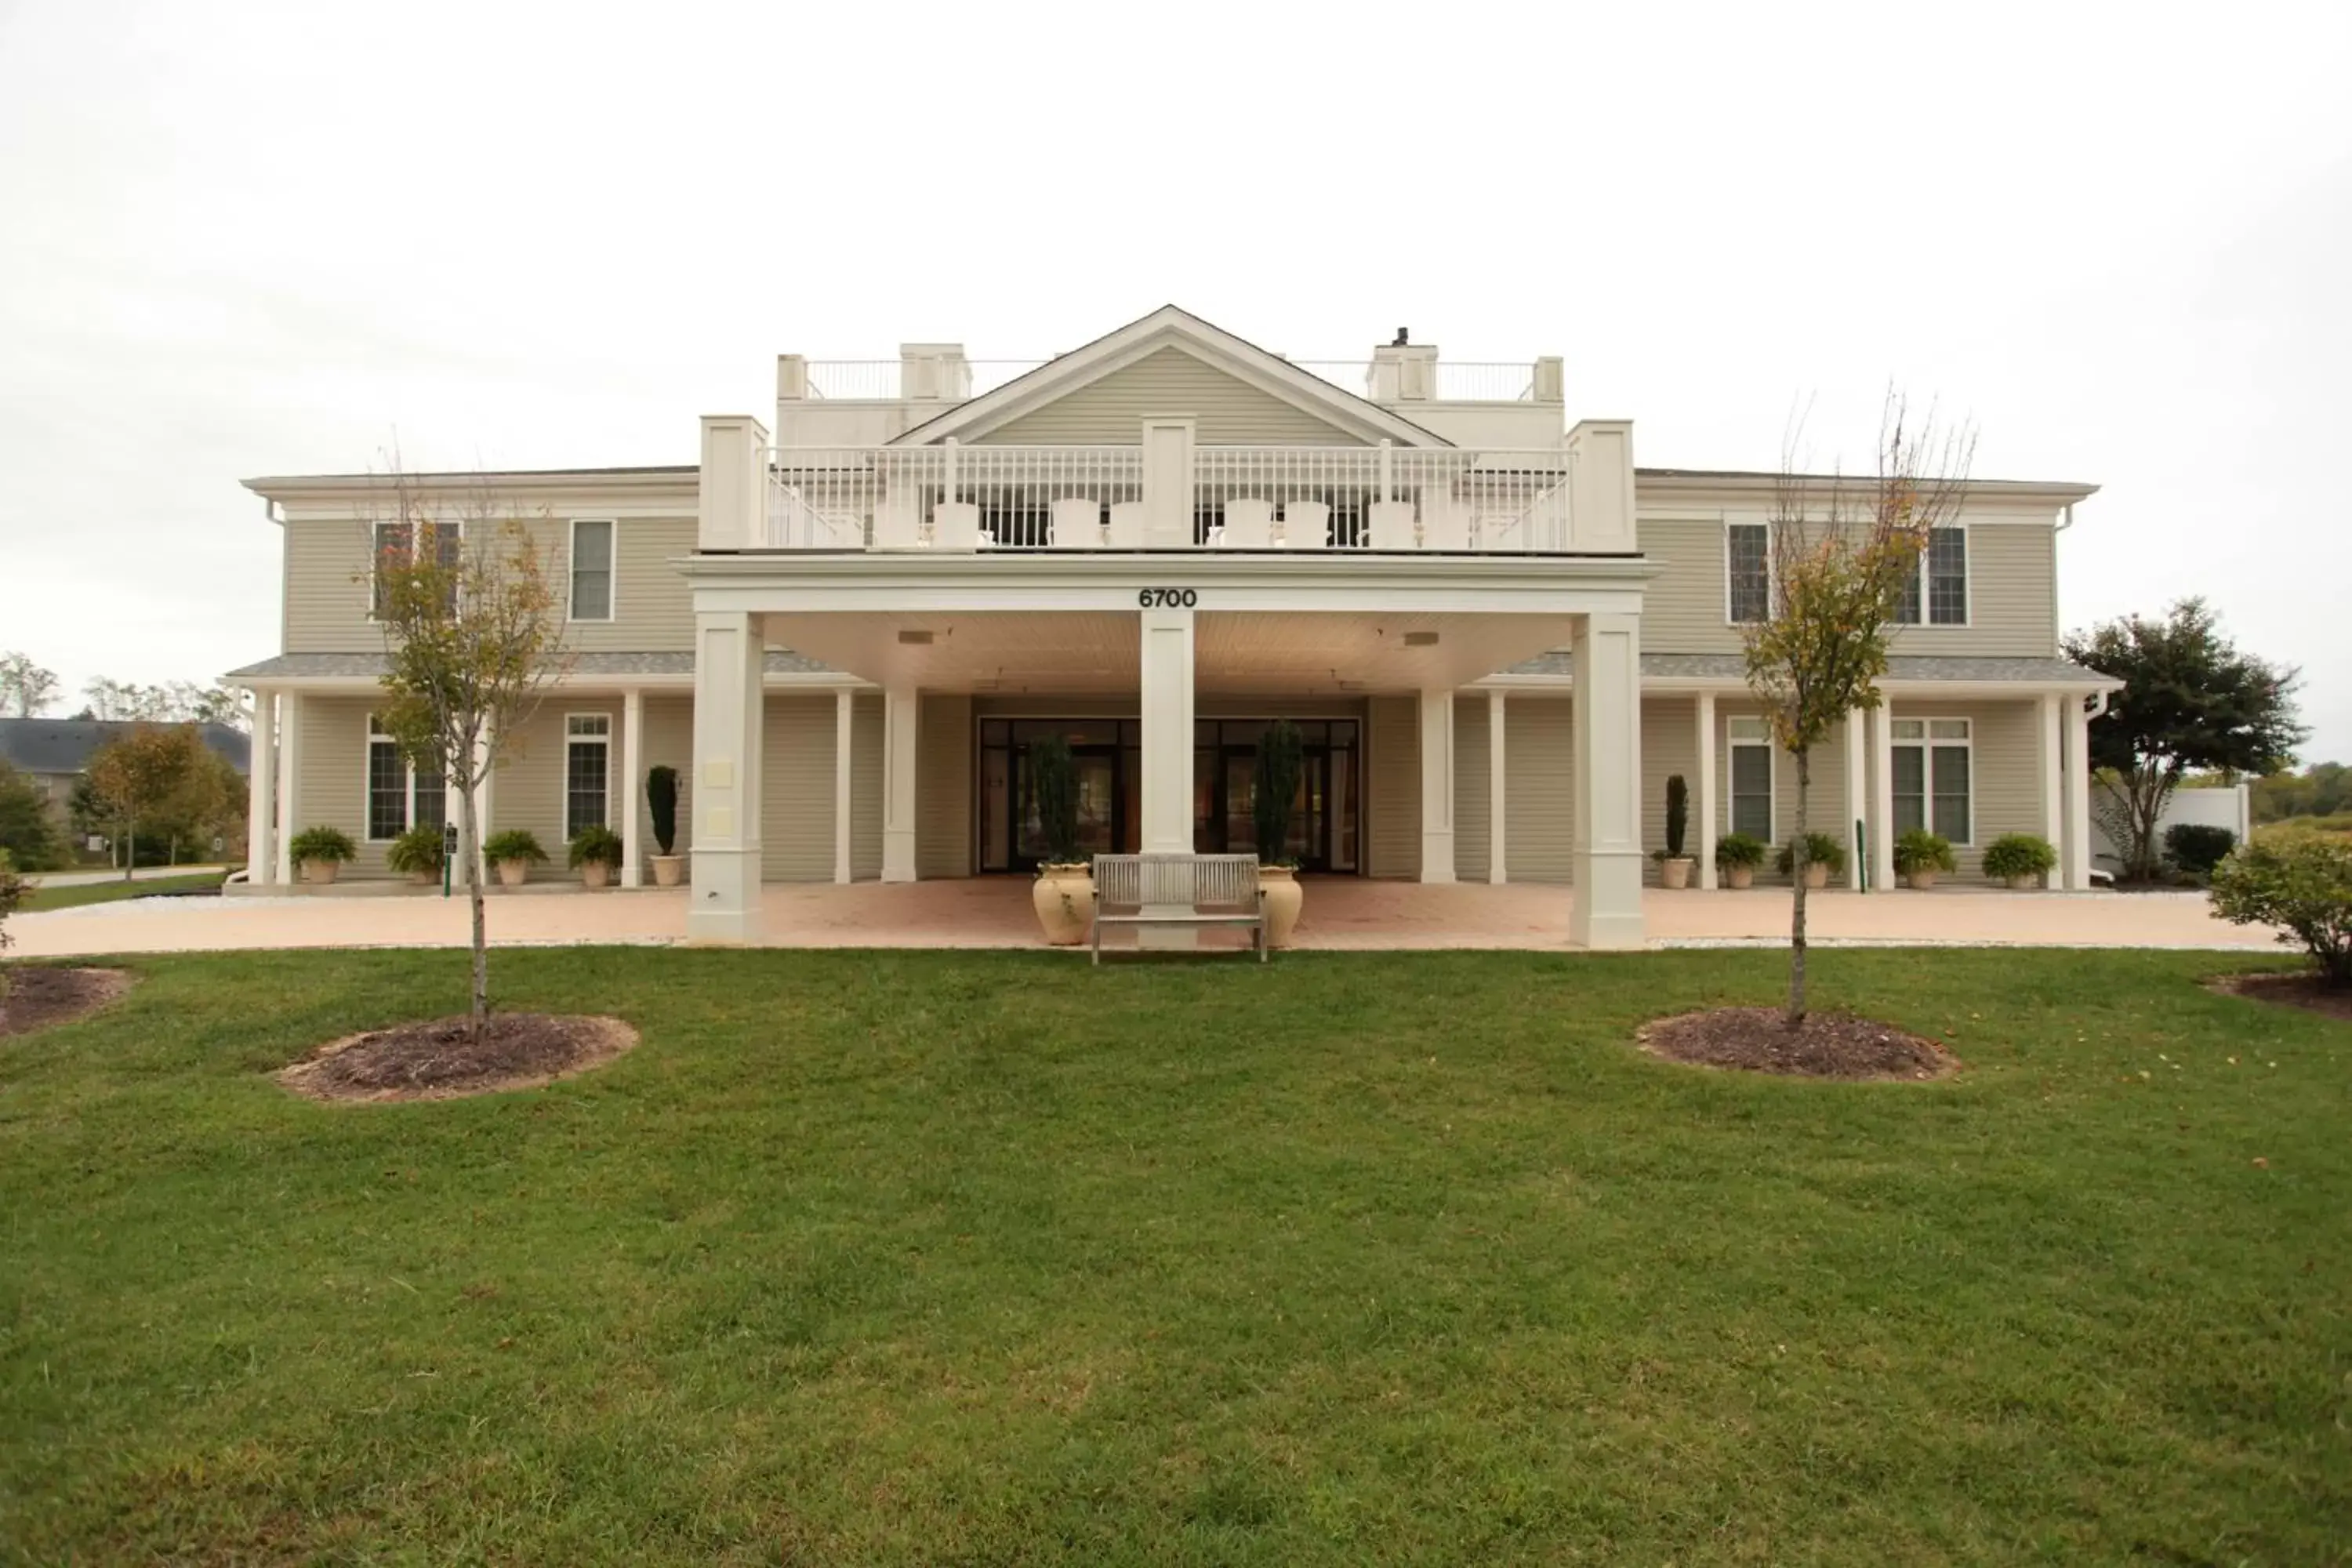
[(1171, 382), (866, 789), (332, 789), (326, 607), (2013, 573), (1392, 787), (943, 767), (669, 739), (2005, 786), (796, 790), (1825, 796), (1540, 789), (1669, 746), (1473, 806)]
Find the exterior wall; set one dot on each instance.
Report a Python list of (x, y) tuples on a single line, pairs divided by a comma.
[(528, 791), (1171, 382), (326, 590), (1538, 789), (943, 770), (1669, 746), (2006, 785), (796, 781), (2012, 593), (334, 776), (1392, 787), (1472, 807), (668, 739), (1825, 803)]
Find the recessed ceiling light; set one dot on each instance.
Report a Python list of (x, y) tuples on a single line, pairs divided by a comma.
[(1420, 639), (916, 639)]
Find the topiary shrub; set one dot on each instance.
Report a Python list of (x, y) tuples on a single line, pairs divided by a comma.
[(1053, 775), (1820, 849), (2018, 854), (661, 803), (1677, 815), (2196, 848), (2299, 880), (1275, 790)]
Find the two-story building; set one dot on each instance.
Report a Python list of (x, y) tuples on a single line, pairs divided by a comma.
[(1499, 636)]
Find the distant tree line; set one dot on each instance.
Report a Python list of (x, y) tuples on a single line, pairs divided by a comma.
[(29, 692)]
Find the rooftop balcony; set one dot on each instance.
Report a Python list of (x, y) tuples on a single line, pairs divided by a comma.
[(939, 373)]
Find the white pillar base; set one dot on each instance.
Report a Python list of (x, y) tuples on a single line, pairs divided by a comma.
[(1608, 860), (725, 909), (901, 711), (730, 711), (1608, 909), (1437, 784)]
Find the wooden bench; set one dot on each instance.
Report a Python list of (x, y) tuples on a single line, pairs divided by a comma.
[(1178, 891)]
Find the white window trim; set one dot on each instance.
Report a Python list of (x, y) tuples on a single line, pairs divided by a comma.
[(1770, 547), (1968, 585), (612, 572), (563, 783), (374, 554), (1928, 740), (367, 786), (1771, 774)]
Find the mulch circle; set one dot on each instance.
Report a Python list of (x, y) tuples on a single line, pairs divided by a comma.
[(1828, 1044), (42, 998), (435, 1060), (2304, 991)]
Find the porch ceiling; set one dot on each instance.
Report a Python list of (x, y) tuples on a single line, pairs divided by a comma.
[(1082, 652)]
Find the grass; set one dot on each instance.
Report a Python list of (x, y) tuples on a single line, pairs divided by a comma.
[(941, 1258), (109, 891)]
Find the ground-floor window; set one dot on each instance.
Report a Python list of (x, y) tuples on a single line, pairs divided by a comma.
[(398, 796), (1751, 777), (1933, 777), (587, 771)]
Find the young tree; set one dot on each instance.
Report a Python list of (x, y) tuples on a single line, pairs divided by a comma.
[(2191, 699), (25, 688), (473, 631), (152, 771), (1842, 555), (28, 830)]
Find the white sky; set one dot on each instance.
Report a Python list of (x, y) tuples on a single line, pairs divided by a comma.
[(260, 239)]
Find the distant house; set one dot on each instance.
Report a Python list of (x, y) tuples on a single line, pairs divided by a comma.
[(55, 752)]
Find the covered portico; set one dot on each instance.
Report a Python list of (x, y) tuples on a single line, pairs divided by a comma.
[(1159, 634)]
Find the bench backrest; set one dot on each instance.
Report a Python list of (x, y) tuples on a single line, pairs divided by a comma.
[(1131, 881)]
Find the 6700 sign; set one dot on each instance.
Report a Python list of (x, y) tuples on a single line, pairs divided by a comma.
[(1168, 598)]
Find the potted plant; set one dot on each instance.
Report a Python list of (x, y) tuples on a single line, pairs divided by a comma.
[(1064, 894), (2019, 859), (416, 855), (1919, 855), (320, 853), (1674, 866), (596, 853), (661, 801), (1736, 855), (513, 852), (1824, 858), (1274, 790)]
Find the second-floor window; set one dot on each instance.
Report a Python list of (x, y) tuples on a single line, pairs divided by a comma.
[(1747, 557), (592, 569), (396, 542), (1939, 595)]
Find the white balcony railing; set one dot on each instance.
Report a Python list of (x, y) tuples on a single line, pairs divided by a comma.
[(955, 498), (886, 381)]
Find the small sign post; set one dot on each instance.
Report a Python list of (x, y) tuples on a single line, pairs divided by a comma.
[(448, 854)]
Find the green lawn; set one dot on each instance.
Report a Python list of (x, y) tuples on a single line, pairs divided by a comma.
[(107, 893), (931, 1259)]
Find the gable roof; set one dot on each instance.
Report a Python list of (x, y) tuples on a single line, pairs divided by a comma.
[(1171, 326), (65, 745)]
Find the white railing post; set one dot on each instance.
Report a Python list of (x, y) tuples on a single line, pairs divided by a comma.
[(1168, 484), (948, 454), (731, 503), (1387, 477)]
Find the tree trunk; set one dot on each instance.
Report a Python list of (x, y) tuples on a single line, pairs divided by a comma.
[(130, 845), (469, 845), (1798, 846)]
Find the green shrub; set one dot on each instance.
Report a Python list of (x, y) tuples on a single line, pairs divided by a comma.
[(2196, 848), (1820, 849), (322, 844), (1054, 779), (416, 852), (1677, 815), (661, 803), (1920, 850), (2018, 854), (2299, 880), (598, 843), (11, 893), (1274, 792), (1740, 849), (514, 844)]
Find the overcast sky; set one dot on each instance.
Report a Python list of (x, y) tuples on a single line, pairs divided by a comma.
[(250, 239)]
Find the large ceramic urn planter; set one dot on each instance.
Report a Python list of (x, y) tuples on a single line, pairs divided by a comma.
[(1065, 898), (512, 872), (667, 868), (1738, 876), (1674, 873), (2027, 882), (1279, 884), (1817, 874), (595, 873), (318, 873), (422, 878), (1922, 879)]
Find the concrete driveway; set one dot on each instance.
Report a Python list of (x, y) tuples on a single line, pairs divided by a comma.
[(1341, 913), (92, 877)]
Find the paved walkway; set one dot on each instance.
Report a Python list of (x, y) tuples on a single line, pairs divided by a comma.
[(89, 878), (1340, 913)]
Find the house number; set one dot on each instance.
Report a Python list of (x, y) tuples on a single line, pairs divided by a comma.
[(1168, 598)]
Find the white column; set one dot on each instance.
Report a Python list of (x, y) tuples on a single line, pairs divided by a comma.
[(845, 714), (2077, 729), (290, 780), (2053, 732), (1497, 793), (261, 793), (1166, 702), (1857, 789), (1707, 876), (729, 662), (1882, 798), (1168, 501), (732, 492), (901, 709), (1608, 729), (1437, 784), (633, 730)]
